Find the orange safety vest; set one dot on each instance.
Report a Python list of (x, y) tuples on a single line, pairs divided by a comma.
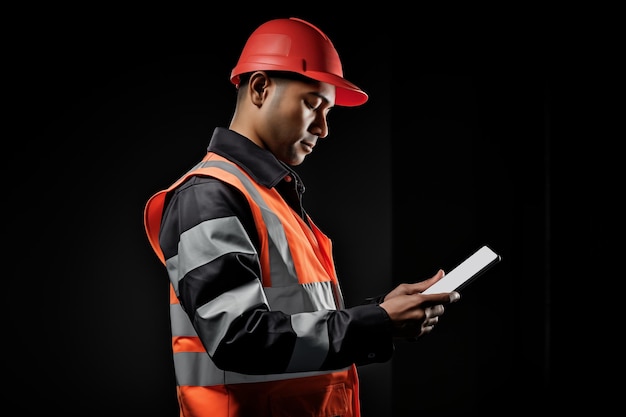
[(203, 389)]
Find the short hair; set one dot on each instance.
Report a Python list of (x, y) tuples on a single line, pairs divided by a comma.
[(244, 79), (287, 75)]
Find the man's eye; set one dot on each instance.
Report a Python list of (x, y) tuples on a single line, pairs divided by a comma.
[(314, 105)]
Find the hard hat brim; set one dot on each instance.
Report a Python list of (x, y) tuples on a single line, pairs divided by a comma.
[(347, 93)]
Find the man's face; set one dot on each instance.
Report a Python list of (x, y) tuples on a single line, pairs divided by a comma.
[(294, 117)]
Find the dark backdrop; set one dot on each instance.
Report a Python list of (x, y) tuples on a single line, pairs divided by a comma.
[(455, 149)]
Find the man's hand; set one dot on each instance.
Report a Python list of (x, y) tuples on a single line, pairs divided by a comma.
[(415, 314)]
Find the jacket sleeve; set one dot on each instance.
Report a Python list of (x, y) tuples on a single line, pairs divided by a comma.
[(210, 243)]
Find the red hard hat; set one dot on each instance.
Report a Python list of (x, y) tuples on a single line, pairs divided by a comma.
[(297, 46)]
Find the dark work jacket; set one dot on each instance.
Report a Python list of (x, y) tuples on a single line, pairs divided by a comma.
[(256, 306)]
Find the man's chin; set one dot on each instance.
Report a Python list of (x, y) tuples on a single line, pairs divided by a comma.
[(295, 160)]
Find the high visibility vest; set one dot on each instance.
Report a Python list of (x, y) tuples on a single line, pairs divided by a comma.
[(298, 275)]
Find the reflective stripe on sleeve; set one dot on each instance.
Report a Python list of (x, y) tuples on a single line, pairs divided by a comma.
[(207, 241), (217, 314), (180, 323), (301, 298), (312, 343)]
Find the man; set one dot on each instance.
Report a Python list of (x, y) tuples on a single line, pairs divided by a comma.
[(258, 321)]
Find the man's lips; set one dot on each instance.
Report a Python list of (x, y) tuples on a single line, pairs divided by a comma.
[(308, 145)]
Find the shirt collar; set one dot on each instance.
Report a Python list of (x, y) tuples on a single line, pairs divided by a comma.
[(259, 163)]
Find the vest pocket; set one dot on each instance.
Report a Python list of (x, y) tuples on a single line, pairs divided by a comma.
[(329, 402)]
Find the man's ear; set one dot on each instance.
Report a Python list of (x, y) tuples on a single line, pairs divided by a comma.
[(258, 87)]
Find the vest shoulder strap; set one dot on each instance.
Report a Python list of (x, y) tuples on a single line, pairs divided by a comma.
[(153, 211)]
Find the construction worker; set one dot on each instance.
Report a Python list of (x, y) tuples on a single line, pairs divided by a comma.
[(259, 325)]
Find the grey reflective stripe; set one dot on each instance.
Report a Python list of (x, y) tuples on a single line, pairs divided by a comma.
[(282, 273), (206, 242), (281, 298), (180, 323), (217, 314), (171, 265), (321, 295), (197, 369), (312, 343), (300, 298)]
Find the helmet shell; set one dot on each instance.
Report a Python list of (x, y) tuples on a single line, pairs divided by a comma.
[(297, 46)]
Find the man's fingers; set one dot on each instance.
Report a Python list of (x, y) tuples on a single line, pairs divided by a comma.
[(434, 311), (431, 321)]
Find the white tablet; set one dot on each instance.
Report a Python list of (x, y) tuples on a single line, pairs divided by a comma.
[(472, 267)]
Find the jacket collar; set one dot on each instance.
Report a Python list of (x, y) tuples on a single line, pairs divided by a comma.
[(259, 163)]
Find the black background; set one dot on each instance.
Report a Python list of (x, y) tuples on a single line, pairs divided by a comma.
[(471, 136)]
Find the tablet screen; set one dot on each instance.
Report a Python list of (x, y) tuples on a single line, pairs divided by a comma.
[(472, 267)]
